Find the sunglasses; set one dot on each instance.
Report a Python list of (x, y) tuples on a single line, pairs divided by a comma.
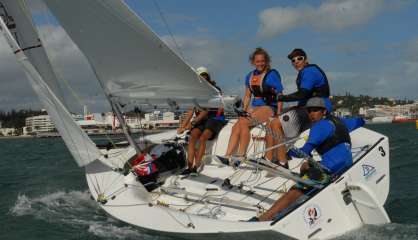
[(315, 109), (298, 58)]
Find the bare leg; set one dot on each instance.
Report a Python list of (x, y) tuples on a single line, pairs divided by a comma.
[(234, 138), (202, 147), (185, 121), (281, 204), (278, 135), (259, 115), (194, 136), (244, 139), (269, 142)]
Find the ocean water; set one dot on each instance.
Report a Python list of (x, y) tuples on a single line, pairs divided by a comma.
[(43, 194)]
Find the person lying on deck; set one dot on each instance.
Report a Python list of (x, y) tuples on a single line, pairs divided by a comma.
[(206, 126), (330, 137)]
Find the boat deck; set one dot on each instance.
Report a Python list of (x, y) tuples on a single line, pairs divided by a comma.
[(249, 192)]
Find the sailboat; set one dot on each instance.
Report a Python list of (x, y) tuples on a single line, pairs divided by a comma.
[(132, 64)]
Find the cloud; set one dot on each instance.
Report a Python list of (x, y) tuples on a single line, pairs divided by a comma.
[(331, 15), (15, 91), (226, 60)]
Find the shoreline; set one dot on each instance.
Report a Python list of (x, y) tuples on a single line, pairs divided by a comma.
[(55, 135)]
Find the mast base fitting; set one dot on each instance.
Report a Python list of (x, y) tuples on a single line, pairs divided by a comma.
[(101, 199)]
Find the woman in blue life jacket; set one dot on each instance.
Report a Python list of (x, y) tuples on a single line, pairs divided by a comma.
[(206, 126), (330, 137), (263, 84), (311, 82)]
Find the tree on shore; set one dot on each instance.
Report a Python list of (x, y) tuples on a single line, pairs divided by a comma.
[(16, 119)]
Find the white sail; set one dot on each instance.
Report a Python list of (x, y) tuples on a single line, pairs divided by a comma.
[(130, 61), (19, 21), (81, 147)]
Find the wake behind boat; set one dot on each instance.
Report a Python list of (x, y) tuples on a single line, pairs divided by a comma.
[(133, 65)]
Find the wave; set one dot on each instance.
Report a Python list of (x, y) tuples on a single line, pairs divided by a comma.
[(391, 231), (76, 210)]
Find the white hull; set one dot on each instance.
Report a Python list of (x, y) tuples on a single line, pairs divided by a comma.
[(201, 207), (382, 120), (367, 181)]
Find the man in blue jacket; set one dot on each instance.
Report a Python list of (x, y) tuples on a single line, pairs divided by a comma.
[(311, 81), (330, 137)]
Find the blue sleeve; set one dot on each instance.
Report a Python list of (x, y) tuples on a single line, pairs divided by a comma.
[(247, 80), (353, 123), (308, 79), (320, 131), (301, 152), (274, 80)]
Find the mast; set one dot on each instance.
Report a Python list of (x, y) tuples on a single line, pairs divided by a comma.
[(117, 110)]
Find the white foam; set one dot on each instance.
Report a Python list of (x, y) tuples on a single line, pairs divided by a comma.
[(392, 231), (114, 232), (53, 203), (22, 206), (75, 208)]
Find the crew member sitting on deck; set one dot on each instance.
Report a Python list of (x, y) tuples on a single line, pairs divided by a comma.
[(206, 125), (264, 84), (330, 137)]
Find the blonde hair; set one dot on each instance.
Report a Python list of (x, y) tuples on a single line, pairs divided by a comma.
[(261, 51)]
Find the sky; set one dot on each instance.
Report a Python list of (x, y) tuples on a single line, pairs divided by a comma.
[(367, 47)]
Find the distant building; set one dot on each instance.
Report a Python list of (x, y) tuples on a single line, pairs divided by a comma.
[(159, 119), (8, 132), (391, 111), (39, 124), (93, 126), (342, 112)]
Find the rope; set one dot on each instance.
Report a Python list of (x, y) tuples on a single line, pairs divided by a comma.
[(168, 29), (190, 224)]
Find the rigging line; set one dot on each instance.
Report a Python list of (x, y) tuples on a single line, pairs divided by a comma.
[(127, 205), (283, 185), (94, 186), (178, 221), (257, 136), (117, 192), (118, 177), (169, 30), (97, 182), (142, 131)]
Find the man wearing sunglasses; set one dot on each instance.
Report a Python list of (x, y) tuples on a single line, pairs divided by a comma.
[(330, 137), (311, 81)]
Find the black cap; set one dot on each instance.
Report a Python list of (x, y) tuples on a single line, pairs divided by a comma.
[(296, 52)]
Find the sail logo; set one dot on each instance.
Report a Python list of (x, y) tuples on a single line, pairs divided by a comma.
[(368, 171), (312, 215)]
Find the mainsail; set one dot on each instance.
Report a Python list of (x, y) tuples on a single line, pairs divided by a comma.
[(131, 62), (30, 53)]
